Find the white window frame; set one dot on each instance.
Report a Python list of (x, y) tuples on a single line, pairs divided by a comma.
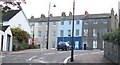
[(95, 22), (105, 22), (85, 32), (94, 44), (94, 32)]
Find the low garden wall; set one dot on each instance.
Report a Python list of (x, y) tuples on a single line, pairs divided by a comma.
[(112, 52)]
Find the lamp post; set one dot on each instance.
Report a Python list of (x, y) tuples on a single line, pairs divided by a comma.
[(48, 24), (33, 35), (72, 49)]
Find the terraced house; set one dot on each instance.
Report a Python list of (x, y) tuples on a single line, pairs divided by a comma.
[(94, 26), (88, 29)]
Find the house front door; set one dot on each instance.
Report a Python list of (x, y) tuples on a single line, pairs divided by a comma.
[(8, 42), (76, 44)]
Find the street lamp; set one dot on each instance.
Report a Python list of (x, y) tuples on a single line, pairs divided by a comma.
[(72, 49), (48, 24)]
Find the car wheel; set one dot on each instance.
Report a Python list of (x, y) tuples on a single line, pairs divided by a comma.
[(58, 49)]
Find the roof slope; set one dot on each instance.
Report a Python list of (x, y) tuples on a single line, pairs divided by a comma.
[(77, 17), (5, 28), (8, 15)]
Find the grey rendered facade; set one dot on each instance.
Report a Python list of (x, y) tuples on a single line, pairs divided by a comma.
[(94, 26)]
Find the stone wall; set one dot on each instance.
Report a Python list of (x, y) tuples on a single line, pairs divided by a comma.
[(112, 52)]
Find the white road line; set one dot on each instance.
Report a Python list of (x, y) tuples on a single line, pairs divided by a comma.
[(32, 58), (65, 61)]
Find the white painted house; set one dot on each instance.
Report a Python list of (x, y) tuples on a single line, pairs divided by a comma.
[(16, 18), (12, 19), (6, 39)]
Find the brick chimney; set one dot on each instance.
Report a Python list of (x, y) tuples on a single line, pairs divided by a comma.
[(42, 16), (51, 15), (86, 13), (70, 13), (32, 17), (63, 14)]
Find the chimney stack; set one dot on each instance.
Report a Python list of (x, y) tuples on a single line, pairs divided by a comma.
[(63, 14), (32, 17), (86, 13), (51, 15), (70, 13), (42, 16)]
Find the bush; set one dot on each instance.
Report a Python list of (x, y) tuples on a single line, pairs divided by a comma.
[(113, 37), (23, 46), (33, 46), (20, 48)]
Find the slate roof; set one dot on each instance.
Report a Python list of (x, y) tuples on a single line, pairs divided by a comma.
[(77, 17), (4, 28), (8, 15)]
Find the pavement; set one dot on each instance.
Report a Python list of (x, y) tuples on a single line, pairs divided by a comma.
[(96, 57)]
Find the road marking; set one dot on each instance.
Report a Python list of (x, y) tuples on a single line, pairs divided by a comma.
[(42, 61), (49, 53), (65, 61), (32, 58)]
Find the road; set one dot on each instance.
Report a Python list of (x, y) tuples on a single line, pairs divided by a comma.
[(41, 56)]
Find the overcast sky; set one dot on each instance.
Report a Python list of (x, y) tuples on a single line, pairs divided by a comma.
[(37, 7)]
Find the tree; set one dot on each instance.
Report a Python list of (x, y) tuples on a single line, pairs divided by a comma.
[(20, 35), (7, 3), (112, 37)]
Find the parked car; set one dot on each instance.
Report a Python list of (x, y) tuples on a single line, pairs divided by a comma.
[(63, 46)]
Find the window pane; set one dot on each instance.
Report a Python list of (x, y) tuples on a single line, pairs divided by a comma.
[(104, 30), (39, 34), (69, 22), (77, 22), (54, 23), (94, 44), (77, 32), (94, 32), (40, 24), (85, 32), (104, 22), (53, 33), (61, 32), (95, 22), (85, 22), (62, 23), (69, 32)]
